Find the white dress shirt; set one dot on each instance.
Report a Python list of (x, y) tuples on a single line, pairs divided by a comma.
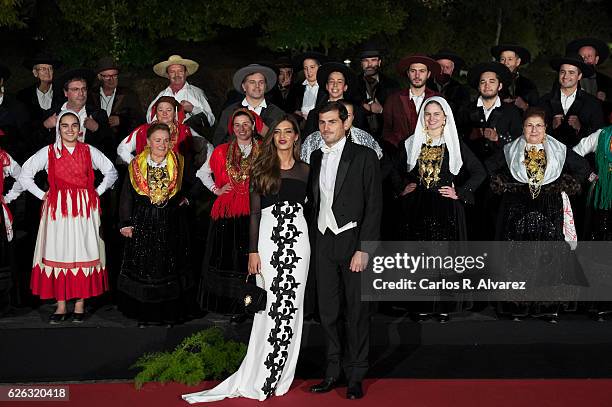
[(327, 182), (257, 109), (418, 100), (193, 95), (310, 97), (588, 144), (567, 101), (40, 161), (487, 112), (106, 102), (45, 99)]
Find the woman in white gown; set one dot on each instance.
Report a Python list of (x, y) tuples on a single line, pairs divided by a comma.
[(280, 252)]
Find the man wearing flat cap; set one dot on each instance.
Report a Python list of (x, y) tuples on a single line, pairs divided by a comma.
[(401, 108), (198, 114), (40, 96), (373, 87), (486, 125), (252, 81), (456, 94), (120, 103), (571, 112), (304, 98), (339, 81), (594, 52), (520, 91)]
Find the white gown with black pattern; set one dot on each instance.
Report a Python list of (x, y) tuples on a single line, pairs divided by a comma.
[(280, 233)]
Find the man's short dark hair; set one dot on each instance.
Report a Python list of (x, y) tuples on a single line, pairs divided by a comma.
[(335, 106), (75, 79), (347, 103)]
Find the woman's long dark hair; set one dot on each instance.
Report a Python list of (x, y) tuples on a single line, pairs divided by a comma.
[(265, 175)]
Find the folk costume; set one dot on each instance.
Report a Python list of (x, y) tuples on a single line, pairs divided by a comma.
[(278, 230), (180, 134), (225, 259), (155, 271), (69, 258), (598, 218)]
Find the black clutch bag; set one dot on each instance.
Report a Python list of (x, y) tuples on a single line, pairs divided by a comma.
[(253, 297)]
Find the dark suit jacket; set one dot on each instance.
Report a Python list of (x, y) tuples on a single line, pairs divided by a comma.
[(522, 87), (28, 97), (357, 193), (506, 120), (456, 94), (127, 106), (400, 116), (586, 107), (268, 114)]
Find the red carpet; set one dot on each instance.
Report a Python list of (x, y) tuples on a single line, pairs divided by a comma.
[(383, 393)]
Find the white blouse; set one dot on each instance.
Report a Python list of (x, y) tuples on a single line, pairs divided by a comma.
[(12, 170)]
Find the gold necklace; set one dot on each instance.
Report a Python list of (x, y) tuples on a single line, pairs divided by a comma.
[(430, 164), (238, 165), (535, 164)]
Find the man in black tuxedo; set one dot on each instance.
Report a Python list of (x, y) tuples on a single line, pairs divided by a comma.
[(347, 196)]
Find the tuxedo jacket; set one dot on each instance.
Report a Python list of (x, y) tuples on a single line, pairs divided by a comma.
[(585, 106), (357, 194), (506, 120), (269, 115), (127, 106), (400, 116)]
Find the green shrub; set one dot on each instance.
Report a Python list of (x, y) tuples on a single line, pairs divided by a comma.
[(203, 355)]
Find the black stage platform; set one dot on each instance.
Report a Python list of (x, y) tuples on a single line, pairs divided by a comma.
[(469, 346)]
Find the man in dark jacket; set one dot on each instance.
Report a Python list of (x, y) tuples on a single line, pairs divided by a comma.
[(252, 81), (304, 97), (401, 108), (457, 94), (13, 120), (594, 52), (373, 87), (571, 112), (520, 90), (120, 103)]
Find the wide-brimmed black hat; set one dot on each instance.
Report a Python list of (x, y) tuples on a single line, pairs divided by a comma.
[(298, 61), (42, 58), (473, 76), (447, 54), (575, 60), (84, 73), (326, 69), (603, 50), (521, 52), (105, 64), (283, 62), (243, 72), (5, 73), (371, 49), (404, 64)]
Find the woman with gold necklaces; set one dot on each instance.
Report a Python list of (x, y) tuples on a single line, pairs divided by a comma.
[(536, 174), (227, 174), (155, 274), (431, 193)]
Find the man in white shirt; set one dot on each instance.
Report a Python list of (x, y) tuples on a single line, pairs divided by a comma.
[(198, 112), (347, 201), (40, 96), (253, 81), (120, 103), (305, 97), (571, 112)]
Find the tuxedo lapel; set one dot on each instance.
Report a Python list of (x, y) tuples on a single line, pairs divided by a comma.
[(343, 166)]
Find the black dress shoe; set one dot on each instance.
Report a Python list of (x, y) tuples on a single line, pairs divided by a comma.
[(354, 391), (443, 318), (78, 317), (55, 319), (325, 386)]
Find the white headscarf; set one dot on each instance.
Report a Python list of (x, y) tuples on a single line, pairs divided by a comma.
[(555, 158), (57, 146), (450, 137)]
